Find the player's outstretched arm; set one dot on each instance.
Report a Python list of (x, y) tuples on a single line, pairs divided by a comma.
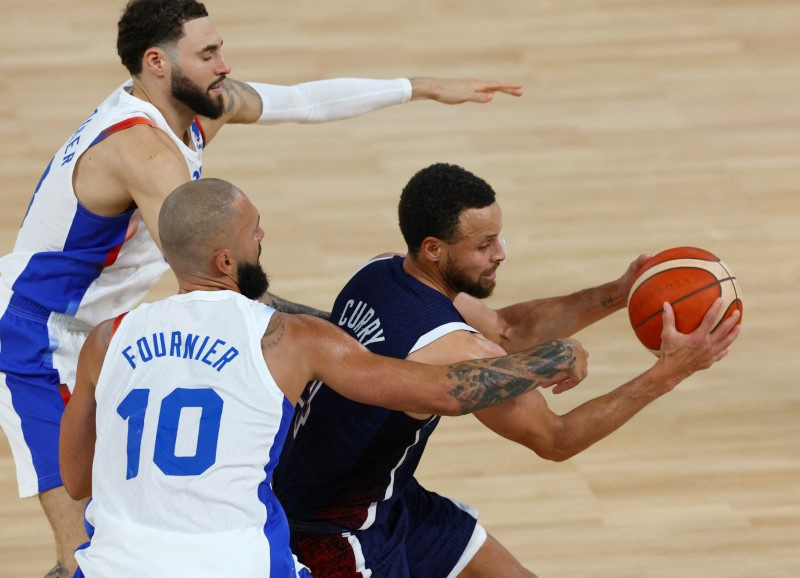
[(340, 98), (299, 349), (525, 324), (528, 421)]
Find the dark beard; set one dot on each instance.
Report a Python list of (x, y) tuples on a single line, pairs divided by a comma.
[(253, 281), (201, 103), (458, 281)]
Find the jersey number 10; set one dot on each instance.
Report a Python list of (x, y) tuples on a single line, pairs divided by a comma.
[(133, 409)]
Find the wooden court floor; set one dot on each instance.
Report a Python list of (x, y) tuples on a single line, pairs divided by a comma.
[(646, 124)]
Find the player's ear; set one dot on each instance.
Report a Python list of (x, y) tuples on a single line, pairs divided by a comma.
[(224, 262), (431, 249), (156, 61)]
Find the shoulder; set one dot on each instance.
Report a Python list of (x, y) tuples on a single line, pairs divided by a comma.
[(137, 146), (297, 328)]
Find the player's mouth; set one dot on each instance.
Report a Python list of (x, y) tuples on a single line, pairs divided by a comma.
[(491, 275), (217, 86)]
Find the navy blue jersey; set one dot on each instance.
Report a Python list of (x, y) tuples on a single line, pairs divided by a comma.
[(344, 463)]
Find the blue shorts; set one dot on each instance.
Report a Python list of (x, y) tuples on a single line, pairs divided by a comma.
[(425, 535), (38, 357)]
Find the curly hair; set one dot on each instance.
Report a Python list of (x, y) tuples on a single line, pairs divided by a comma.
[(148, 23), (433, 200)]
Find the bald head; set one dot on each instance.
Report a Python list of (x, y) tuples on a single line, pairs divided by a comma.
[(196, 220)]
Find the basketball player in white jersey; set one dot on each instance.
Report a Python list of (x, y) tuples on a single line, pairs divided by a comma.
[(181, 406), (346, 475), (88, 246)]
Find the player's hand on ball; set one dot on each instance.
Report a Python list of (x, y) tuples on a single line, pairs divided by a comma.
[(700, 349), (627, 279)]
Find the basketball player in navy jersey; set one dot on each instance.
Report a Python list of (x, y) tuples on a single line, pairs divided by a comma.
[(346, 476), (88, 246), (181, 406)]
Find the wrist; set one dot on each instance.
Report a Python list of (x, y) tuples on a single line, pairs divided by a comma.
[(665, 376), (421, 87), (613, 297)]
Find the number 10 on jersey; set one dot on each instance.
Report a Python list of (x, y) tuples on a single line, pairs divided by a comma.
[(134, 408)]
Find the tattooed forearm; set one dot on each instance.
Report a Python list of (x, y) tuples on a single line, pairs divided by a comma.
[(289, 307), (274, 333), (486, 382)]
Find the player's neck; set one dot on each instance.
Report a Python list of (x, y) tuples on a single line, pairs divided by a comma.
[(190, 283), (428, 275), (178, 116)]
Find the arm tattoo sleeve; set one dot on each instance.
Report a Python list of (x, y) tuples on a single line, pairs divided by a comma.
[(289, 307), (486, 382)]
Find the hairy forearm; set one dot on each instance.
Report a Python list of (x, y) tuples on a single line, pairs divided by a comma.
[(285, 306), (595, 419), (486, 382), (526, 324)]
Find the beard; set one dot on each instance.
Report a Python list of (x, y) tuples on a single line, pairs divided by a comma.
[(197, 99), (253, 281), (459, 281)]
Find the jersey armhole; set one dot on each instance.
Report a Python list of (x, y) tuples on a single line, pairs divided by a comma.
[(117, 321)]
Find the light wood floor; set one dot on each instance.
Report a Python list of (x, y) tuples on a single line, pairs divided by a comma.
[(646, 124)]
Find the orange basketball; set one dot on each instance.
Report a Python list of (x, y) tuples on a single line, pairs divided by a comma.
[(691, 279)]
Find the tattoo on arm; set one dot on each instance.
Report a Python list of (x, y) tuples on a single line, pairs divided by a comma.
[(289, 307), (234, 95), (105, 334), (482, 383), (275, 332), (607, 303)]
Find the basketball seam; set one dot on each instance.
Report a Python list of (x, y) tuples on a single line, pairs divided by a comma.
[(640, 281), (698, 290)]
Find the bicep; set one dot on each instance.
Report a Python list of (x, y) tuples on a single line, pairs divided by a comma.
[(152, 172), (478, 315), (242, 106), (358, 374)]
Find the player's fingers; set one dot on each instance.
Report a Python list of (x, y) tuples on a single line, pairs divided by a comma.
[(565, 385), (668, 318), (513, 89), (728, 324), (730, 337), (711, 315), (557, 378)]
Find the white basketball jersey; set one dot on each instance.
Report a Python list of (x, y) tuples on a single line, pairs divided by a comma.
[(74, 262), (190, 425)]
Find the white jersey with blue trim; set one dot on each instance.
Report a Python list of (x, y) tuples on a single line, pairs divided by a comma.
[(190, 424), (71, 261)]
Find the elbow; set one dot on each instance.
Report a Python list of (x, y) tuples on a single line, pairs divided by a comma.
[(556, 447), (555, 455), (77, 480), (76, 489), (550, 452), (450, 406)]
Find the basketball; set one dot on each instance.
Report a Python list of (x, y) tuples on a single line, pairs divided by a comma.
[(690, 279)]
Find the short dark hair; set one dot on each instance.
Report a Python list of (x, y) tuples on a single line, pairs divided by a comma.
[(433, 200), (148, 23)]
